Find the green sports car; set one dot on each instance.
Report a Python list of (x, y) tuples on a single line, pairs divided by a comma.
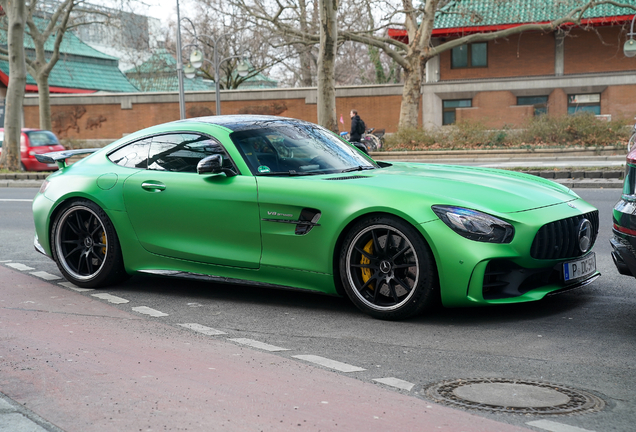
[(282, 202)]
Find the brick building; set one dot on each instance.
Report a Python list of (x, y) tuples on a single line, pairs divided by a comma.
[(505, 81)]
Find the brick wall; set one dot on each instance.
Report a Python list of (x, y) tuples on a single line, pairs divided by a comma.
[(600, 50), (91, 117), (495, 110), (528, 54), (532, 54)]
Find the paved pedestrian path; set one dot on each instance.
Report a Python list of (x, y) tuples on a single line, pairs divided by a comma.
[(85, 366)]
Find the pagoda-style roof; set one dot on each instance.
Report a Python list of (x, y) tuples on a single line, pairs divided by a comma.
[(462, 17), (80, 69)]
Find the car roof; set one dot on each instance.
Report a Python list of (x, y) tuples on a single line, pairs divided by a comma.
[(245, 122)]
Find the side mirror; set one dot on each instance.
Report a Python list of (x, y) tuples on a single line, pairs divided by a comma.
[(362, 147), (213, 165)]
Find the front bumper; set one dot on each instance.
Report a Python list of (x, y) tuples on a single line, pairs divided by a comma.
[(623, 255), (38, 246)]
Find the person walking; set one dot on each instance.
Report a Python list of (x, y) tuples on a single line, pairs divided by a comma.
[(357, 127)]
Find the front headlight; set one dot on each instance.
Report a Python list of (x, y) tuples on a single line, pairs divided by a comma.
[(475, 225)]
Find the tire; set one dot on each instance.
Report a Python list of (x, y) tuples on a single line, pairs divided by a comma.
[(85, 246), (387, 269)]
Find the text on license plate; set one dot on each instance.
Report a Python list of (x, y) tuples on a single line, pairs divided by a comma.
[(579, 268)]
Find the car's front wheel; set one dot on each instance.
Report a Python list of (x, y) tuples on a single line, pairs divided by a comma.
[(85, 246), (387, 269)]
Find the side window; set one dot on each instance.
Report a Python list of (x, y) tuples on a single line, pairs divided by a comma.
[(182, 152), (133, 155)]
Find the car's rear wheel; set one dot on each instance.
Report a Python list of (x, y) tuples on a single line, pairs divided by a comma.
[(85, 246), (387, 268)]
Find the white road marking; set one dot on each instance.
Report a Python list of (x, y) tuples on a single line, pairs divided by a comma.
[(259, 345), (46, 276), (202, 329), (5, 261), (556, 427), (110, 298), (74, 288), (149, 311), (20, 267), (15, 200), (396, 382), (332, 364)]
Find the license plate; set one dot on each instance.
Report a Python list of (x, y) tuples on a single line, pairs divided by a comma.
[(579, 268)]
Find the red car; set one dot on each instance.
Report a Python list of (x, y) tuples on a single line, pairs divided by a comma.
[(32, 142)]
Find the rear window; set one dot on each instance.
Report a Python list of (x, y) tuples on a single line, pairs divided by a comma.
[(42, 138)]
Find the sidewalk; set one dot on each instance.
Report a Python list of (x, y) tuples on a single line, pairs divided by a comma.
[(86, 366)]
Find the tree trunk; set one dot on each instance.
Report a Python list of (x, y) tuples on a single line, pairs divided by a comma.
[(16, 14), (327, 65), (306, 77), (44, 101), (411, 94)]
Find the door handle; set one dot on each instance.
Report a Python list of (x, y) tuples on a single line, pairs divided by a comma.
[(153, 187)]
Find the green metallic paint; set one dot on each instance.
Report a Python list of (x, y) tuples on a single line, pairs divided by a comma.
[(213, 224)]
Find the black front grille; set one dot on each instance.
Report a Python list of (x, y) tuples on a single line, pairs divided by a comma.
[(560, 239)]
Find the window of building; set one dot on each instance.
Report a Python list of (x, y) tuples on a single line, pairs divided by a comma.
[(584, 103), (472, 55), (449, 107), (540, 103)]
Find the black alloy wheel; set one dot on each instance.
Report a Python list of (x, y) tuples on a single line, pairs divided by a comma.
[(85, 246), (387, 269)]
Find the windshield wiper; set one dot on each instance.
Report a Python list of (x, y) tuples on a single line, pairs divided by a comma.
[(358, 168)]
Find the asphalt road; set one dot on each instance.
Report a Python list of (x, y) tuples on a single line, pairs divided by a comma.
[(582, 339)]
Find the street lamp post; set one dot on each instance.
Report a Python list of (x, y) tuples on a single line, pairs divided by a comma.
[(197, 60), (629, 49), (182, 114)]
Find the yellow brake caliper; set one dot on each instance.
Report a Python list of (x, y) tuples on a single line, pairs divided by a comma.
[(104, 243), (366, 272)]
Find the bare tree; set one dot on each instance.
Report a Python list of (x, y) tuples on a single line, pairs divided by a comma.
[(327, 64), (16, 17), (418, 21)]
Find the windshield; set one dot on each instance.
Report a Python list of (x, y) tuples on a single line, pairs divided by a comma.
[(42, 138), (297, 149)]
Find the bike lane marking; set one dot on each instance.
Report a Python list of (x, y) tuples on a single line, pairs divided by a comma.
[(555, 427), (209, 331), (110, 298), (395, 382), (260, 345), (328, 363)]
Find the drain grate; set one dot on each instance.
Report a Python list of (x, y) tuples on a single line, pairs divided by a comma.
[(505, 395)]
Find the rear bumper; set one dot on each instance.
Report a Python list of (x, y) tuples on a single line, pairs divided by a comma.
[(34, 165)]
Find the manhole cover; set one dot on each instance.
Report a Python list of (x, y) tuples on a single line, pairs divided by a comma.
[(514, 396)]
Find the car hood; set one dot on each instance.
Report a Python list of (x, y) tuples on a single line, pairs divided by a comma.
[(477, 188)]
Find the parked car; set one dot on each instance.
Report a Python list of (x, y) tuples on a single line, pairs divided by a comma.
[(32, 142), (280, 202), (624, 218)]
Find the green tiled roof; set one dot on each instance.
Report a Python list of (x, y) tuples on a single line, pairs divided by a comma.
[(82, 73), (472, 13), (79, 67), (167, 82), (159, 74), (71, 44)]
